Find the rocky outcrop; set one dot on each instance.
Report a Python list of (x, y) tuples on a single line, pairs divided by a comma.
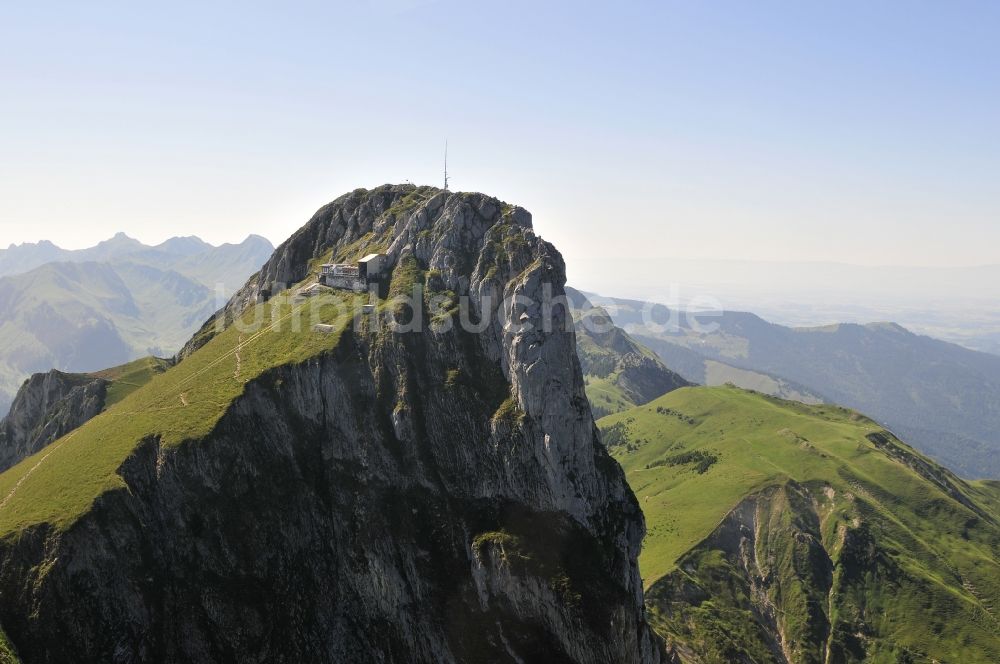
[(436, 495), (48, 406), (765, 586), (765, 569)]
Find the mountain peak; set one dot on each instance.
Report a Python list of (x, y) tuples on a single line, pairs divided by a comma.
[(401, 220), (451, 467), (120, 236), (888, 326), (185, 245), (257, 242), (41, 244)]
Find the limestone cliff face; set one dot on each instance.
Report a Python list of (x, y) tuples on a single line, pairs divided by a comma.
[(46, 407), (429, 496)]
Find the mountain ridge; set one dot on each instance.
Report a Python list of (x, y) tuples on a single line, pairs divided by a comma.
[(943, 398), (618, 370), (85, 315), (791, 533), (24, 257), (433, 495)]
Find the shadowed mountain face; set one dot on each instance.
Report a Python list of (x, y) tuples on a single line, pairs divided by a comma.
[(942, 398), (782, 532), (354, 492), (107, 305), (619, 372)]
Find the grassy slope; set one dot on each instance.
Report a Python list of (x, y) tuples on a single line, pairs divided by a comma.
[(127, 378), (991, 491), (943, 398), (59, 483), (683, 507), (606, 395), (759, 442)]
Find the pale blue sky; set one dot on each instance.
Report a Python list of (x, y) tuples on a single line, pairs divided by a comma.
[(863, 132)]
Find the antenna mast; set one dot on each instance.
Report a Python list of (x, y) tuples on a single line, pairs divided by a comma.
[(446, 164)]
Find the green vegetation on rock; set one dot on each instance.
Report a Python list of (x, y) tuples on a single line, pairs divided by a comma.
[(410, 202), (813, 531), (183, 403), (405, 277), (7, 654)]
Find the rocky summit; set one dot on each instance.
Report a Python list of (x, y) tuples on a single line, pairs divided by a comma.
[(349, 491)]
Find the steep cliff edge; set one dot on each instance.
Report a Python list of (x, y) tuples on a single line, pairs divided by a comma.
[(47, 407), (50, 405), (360, 494)]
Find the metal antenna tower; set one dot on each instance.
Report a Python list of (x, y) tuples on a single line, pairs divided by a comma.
[(446, 165)]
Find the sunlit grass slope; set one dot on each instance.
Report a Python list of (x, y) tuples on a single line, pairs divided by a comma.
[(127, 378), (606, 395), (991, 491), (752, 440), (183, 403), (696, 453), (759, 441)]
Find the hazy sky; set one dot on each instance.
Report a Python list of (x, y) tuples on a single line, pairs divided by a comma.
[(863, 132)]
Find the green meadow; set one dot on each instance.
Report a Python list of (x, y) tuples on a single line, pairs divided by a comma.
[(127, 378), (696, 453)]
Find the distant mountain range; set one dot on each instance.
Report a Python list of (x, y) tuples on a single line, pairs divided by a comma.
[(88, 309), (942, 398), (956, 304), (191, 256)]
